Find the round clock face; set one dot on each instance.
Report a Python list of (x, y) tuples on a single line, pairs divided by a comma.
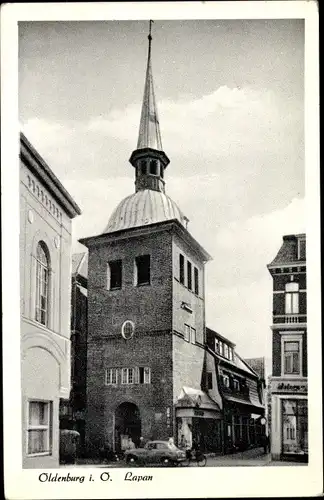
[(128, 329)]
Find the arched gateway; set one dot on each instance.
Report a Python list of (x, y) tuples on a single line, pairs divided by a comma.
[(127, 424)]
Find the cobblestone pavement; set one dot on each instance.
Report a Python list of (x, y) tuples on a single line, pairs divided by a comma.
[(250, 458)]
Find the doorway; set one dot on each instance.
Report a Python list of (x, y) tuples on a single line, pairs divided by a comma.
[(127, 425)]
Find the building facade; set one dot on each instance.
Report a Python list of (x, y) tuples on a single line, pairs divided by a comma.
[(288, 384), (241, 390), (46, 212), (147, 350), (146, 304), (72, 410)]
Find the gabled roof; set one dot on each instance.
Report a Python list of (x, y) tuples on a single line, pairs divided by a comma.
[(80, 264), (257, 365), (213, 333)]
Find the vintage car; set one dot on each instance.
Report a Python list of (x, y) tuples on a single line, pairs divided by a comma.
[(156, 452)]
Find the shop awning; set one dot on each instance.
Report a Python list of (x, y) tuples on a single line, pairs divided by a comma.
[(196, 398), (255, 406)]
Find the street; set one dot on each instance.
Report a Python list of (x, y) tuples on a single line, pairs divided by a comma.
[(249, 458)]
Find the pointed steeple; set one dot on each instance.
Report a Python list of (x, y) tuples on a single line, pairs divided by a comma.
[(149, 158), (149, 132)]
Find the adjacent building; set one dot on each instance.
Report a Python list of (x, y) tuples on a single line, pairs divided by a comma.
[(288, 384), (240, 393), (72, 410), (258, 365), (46, 213)]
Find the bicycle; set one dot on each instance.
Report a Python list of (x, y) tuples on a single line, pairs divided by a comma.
[(195, 457)]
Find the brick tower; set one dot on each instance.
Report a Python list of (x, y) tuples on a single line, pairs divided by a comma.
[(146, 305)]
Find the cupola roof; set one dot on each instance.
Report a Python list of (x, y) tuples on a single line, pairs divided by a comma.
[(143, 208)]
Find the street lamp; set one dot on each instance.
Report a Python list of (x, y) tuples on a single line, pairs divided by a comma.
[(264, 422)]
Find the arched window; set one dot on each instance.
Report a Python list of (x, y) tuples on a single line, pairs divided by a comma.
[(42, 283)]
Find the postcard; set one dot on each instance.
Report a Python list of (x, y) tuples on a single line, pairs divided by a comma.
[(161, 250)]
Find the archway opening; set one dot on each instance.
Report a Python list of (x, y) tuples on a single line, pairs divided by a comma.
[(127, 425)]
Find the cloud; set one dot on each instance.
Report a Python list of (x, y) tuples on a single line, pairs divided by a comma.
[(226, 121), (238, 284)]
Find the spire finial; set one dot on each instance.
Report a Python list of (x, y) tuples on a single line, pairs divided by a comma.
[(150, 31)]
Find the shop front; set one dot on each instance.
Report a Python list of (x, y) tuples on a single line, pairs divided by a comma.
[(289, 423), (242, 424), (198, 421)]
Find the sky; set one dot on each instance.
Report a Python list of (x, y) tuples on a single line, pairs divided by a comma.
[(230, 97)]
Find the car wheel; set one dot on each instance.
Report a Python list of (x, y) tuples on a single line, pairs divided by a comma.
[(131, 459), (166, 461)]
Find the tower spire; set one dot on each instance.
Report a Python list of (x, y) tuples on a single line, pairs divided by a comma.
[(149, 158), (149, 135)]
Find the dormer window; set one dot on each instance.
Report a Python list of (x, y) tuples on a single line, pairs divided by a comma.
[(154, 167), (226, 380)]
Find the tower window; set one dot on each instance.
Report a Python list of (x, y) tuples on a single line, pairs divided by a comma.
[(114, 275), (143, 375), (153, 167), (111, 376), (192, 335), (143, 270), (187, 333), (161, 171), (181, 269), (189, 275), (143, 167), (196, 281), (127, 375)]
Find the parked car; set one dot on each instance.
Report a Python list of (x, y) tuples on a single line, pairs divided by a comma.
[(156, 452)]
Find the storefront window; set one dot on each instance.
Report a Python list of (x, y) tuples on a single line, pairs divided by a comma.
[(294, 426)]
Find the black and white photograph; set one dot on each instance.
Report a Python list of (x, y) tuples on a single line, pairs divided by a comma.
[(163, 196)]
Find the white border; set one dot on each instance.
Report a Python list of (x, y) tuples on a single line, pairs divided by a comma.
[(216, 482)]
